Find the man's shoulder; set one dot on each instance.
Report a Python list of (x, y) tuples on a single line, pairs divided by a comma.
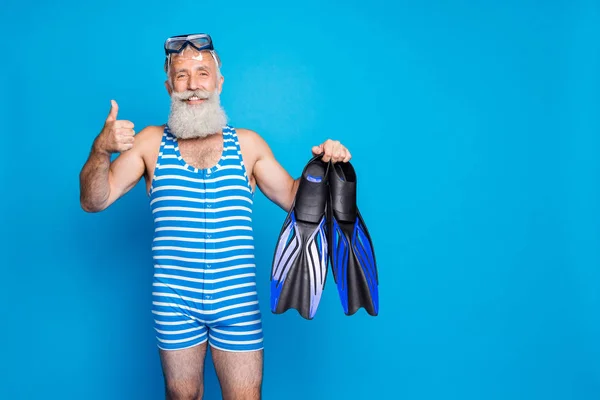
[(248, 136), (148, 139), (245, 132), (151, 131), (253, 146)]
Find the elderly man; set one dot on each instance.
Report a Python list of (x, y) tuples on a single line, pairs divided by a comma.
[(200, 175)]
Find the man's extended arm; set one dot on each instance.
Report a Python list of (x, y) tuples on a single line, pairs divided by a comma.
[(273, 180), (101, 183)]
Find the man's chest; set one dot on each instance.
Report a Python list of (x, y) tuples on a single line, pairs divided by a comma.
[(202, 153)]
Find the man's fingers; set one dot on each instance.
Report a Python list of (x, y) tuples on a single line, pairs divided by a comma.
[(126, 146), (332, 151), (123, 124), (128, 139), (114, 110), (125, 132)]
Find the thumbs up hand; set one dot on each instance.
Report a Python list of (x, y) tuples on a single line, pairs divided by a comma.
[(116, 136)]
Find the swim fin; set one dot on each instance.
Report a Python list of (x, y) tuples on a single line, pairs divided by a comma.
[(351, 249), (300, 262)]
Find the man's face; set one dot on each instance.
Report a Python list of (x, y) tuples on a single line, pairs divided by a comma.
[(194, 86), (193, 70)]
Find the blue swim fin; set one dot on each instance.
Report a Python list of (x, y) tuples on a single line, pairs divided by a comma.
[(300, 261), (350, 247)]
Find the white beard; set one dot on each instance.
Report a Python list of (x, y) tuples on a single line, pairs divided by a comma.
[(198, 120)]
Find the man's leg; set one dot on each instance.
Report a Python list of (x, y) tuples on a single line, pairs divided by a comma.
[(183, 371), (240, 373)]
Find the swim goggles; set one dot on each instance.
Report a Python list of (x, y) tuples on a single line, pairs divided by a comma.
[(199, 41)]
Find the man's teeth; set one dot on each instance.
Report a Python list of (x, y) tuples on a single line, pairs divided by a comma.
[(193, 98)]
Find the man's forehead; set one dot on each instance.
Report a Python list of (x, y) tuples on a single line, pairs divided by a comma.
[(192, 58)]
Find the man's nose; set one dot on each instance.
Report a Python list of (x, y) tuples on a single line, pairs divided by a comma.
[(194, 83)]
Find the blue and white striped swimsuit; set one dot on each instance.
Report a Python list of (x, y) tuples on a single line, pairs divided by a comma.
[(204, 285)]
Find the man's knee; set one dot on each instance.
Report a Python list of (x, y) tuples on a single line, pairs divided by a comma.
[(184, 390), (245, 392)]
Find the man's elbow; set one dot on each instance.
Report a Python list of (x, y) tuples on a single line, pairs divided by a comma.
[(89, 207)]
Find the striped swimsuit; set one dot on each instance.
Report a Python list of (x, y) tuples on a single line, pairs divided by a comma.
[(204, 285)]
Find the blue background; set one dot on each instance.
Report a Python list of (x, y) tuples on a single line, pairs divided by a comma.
[(474, 131)]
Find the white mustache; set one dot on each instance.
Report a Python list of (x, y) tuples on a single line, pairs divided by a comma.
[(188, 94)]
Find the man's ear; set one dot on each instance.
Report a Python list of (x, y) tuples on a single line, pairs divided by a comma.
[(168, 87), (220, 84)]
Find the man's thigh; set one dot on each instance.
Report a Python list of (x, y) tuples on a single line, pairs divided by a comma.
[(183, 371), (240, 373)]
